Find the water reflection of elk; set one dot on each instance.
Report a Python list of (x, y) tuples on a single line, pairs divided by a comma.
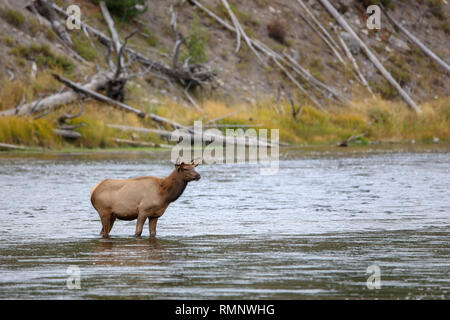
[(139, 252)]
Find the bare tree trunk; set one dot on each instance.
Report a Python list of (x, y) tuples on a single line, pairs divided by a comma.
[(355, 65), (197, 137), (56, 100), (327, 38), (277, 58), (197, 75), (120, 105), (141, 143), (419, 43), (13, 147), (370, 55), (45, 9)]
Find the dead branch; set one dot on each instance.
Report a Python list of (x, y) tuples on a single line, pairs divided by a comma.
[(197, 75), (277, 98), (120, 66), (68, 134), (275, 57), (141, 143), (222, 117), (312, 80), (115, 88), (45, 9), (240, 31), (348, 140), (321, 31), (13, 147), (355, 66), (299, 86), (112, 30), (337, 16), (120, 105), (191, 100), (295, 111), (57, 100), (188, 75), (227, 125), (62, 120), (205, 136), (417, 42)]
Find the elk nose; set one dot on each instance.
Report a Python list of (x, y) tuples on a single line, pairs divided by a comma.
[(197, 177)]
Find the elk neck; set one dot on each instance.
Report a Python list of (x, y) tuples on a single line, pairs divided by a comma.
[(173, 186)]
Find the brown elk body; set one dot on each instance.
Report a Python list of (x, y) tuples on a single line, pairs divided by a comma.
[(140, 198)]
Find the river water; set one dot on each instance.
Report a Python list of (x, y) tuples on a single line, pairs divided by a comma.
[(310, 231)]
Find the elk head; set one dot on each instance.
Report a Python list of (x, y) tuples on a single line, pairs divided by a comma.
[(187, 170)]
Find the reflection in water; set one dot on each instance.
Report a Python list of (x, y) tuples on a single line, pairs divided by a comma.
[(310, 231), (132, 253)]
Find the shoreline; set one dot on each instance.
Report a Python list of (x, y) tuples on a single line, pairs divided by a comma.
[(286, 152)]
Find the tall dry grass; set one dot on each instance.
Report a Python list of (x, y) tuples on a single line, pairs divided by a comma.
[(376, 119)]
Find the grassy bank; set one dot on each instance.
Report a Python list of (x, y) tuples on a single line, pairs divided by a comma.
[(372, 120)]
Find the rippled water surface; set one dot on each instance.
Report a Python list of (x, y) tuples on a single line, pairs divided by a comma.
[(310, 231)]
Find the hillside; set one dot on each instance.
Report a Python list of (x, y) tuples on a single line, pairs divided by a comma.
[(254, 91)]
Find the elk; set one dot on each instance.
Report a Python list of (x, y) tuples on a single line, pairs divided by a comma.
[(140, 198)]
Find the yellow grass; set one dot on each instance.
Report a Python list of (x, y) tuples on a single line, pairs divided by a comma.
[(376, 119)]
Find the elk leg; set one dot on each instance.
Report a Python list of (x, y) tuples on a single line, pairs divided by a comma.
[(140, 224), (106, 222), (111, 222), (152, 226)]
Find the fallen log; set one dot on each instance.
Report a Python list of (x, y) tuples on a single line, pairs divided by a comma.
[(312, 80), (112, 30), (195, 74), (326, 37), (68, 134), (13, 147), (277, 58), (120, 105), (240, 31), (141, 143), (195, 137), (345, 142), (46, 9), (417, 42), (57, 100), (355, 66), (337, 16)]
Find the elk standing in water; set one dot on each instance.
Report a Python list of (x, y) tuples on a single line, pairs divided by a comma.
[(140, 198)]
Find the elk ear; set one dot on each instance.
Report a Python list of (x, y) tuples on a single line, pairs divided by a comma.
[(196, 161)]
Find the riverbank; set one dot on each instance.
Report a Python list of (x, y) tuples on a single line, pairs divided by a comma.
[(363, 122), (285, 153)]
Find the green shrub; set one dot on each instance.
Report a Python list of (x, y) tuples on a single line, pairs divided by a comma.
[(44, 57), (196, 43), (445, 26), (50, 35), (437, 8), (150, 37), (125, 9), (8, 40), (12, 16), (33, 26), (84, 48), (385, 89)]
